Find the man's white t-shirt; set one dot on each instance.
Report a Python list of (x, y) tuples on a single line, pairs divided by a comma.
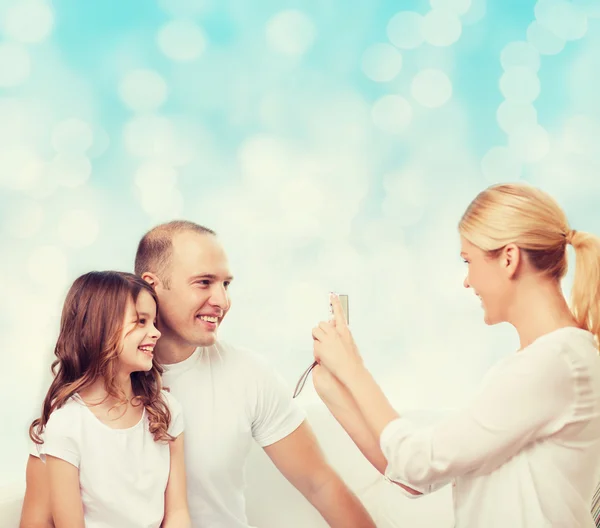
[(526, 453), (229, 397), (123, 473)]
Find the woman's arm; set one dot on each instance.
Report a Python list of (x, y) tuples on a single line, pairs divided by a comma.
[(36, 512), (176, 507), (344, 409), (65, 494), (530, 398)]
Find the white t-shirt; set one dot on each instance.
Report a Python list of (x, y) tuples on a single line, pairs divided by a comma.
[(526, 453), (229, 396), (123, 473)]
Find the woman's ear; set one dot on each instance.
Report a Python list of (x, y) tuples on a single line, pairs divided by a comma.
[(511, 259)]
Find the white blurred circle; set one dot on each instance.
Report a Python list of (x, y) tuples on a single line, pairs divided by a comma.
[(500, 165), (562, 18), (28, 21), (513, 115), (47, 265), (143, 90), (520, 54), (72, 136), (441, 27), (431, 88), (476, 13), (381, 62), (520, 85), (23, 218), (546, 42), (20, 167), (156, 137), (290, 33), (530, 143), (460, 7), (405, 30), (15, 64), (181, 40), (392, 113), (78, 228), (71, 170), (155, 175)]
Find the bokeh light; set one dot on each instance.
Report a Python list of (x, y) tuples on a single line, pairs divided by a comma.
[(181, 40), (405, 30), (290, 33), (431, 88), (381, 62)]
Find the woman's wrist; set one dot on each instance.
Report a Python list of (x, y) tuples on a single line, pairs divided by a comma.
[(354, 375)]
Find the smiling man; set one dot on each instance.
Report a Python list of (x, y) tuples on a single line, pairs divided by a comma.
[(230, 396)]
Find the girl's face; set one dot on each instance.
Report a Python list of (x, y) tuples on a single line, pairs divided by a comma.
[(139, 334)]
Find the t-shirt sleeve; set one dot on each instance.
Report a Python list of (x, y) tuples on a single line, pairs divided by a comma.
[(34, 449), (274, 414), (176, 424), (530, 399), (61, 436)]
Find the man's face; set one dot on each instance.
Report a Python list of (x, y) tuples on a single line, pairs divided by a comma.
[(192, 308)]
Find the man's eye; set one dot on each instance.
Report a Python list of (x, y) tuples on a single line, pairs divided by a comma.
[(227, 284)]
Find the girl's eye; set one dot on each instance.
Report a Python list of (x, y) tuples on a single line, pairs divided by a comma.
[(142, 321)]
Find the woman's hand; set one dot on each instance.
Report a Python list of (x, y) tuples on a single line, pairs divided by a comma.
[(333, 345)]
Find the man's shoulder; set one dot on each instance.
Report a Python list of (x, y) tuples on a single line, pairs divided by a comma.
[(237, 354)]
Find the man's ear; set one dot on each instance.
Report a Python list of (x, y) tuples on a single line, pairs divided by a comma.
[(151, 279), (511, 259)]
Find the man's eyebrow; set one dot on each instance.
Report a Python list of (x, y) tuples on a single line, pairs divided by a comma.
[(211, 277)]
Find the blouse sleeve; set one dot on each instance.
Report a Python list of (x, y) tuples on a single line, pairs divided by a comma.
[(530, 398)]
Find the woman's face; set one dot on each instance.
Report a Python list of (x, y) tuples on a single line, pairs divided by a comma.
[(489, 278)]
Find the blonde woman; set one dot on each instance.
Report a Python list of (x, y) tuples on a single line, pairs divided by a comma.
[(526, 452)]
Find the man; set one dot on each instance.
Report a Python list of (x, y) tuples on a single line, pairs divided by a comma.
[(229, 396)]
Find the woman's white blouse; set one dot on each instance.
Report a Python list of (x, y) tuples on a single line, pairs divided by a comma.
[(526, 452)]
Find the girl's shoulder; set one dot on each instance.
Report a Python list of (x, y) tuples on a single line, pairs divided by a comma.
[(65, 420), (170, 400), (70, 410)]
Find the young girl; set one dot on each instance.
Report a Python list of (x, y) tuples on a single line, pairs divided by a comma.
[(526, 452), (112, 440)]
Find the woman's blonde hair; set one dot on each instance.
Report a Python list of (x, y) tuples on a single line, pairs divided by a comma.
[(533, 220)]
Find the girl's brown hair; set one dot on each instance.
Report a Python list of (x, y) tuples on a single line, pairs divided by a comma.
[(89, 344)]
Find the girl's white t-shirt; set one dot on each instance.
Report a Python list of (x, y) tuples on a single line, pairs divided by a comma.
[(123, 473), (526, 452)]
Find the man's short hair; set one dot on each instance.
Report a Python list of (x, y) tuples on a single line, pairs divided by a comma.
[(156, 247)]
